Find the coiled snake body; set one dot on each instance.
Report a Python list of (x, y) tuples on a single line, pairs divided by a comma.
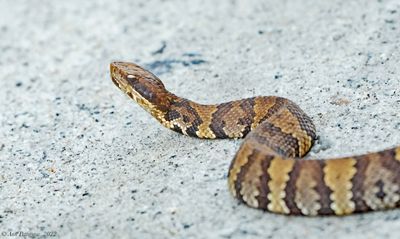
[(267, 171)]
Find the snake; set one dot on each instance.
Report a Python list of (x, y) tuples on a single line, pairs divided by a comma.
[(269, 171)]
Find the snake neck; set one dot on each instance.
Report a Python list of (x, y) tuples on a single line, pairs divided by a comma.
[(161, 109), (183, 116)]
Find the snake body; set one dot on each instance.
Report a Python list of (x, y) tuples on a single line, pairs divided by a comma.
[(267, 172)]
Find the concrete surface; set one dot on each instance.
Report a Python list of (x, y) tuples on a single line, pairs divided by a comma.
[(79, 159)]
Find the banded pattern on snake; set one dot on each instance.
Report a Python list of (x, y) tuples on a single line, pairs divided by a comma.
[(267, 171)]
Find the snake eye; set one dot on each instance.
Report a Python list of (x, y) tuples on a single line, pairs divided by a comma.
[(131, 77)]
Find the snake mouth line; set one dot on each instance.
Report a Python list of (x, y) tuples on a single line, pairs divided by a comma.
[(115, 82), (119, 83), (124, 87)]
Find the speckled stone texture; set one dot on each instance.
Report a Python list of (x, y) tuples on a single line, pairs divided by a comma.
[(79, 159)]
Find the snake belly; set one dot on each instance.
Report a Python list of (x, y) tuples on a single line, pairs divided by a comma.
[(268, 171)]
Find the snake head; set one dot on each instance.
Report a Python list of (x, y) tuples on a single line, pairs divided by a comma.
[(142, 86)]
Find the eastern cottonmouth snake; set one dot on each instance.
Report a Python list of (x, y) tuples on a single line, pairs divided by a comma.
[(267, 171)]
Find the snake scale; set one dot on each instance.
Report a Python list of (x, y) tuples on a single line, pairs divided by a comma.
[(267, 172)]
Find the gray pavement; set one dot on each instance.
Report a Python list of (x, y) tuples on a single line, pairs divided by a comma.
[(80, 159)]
